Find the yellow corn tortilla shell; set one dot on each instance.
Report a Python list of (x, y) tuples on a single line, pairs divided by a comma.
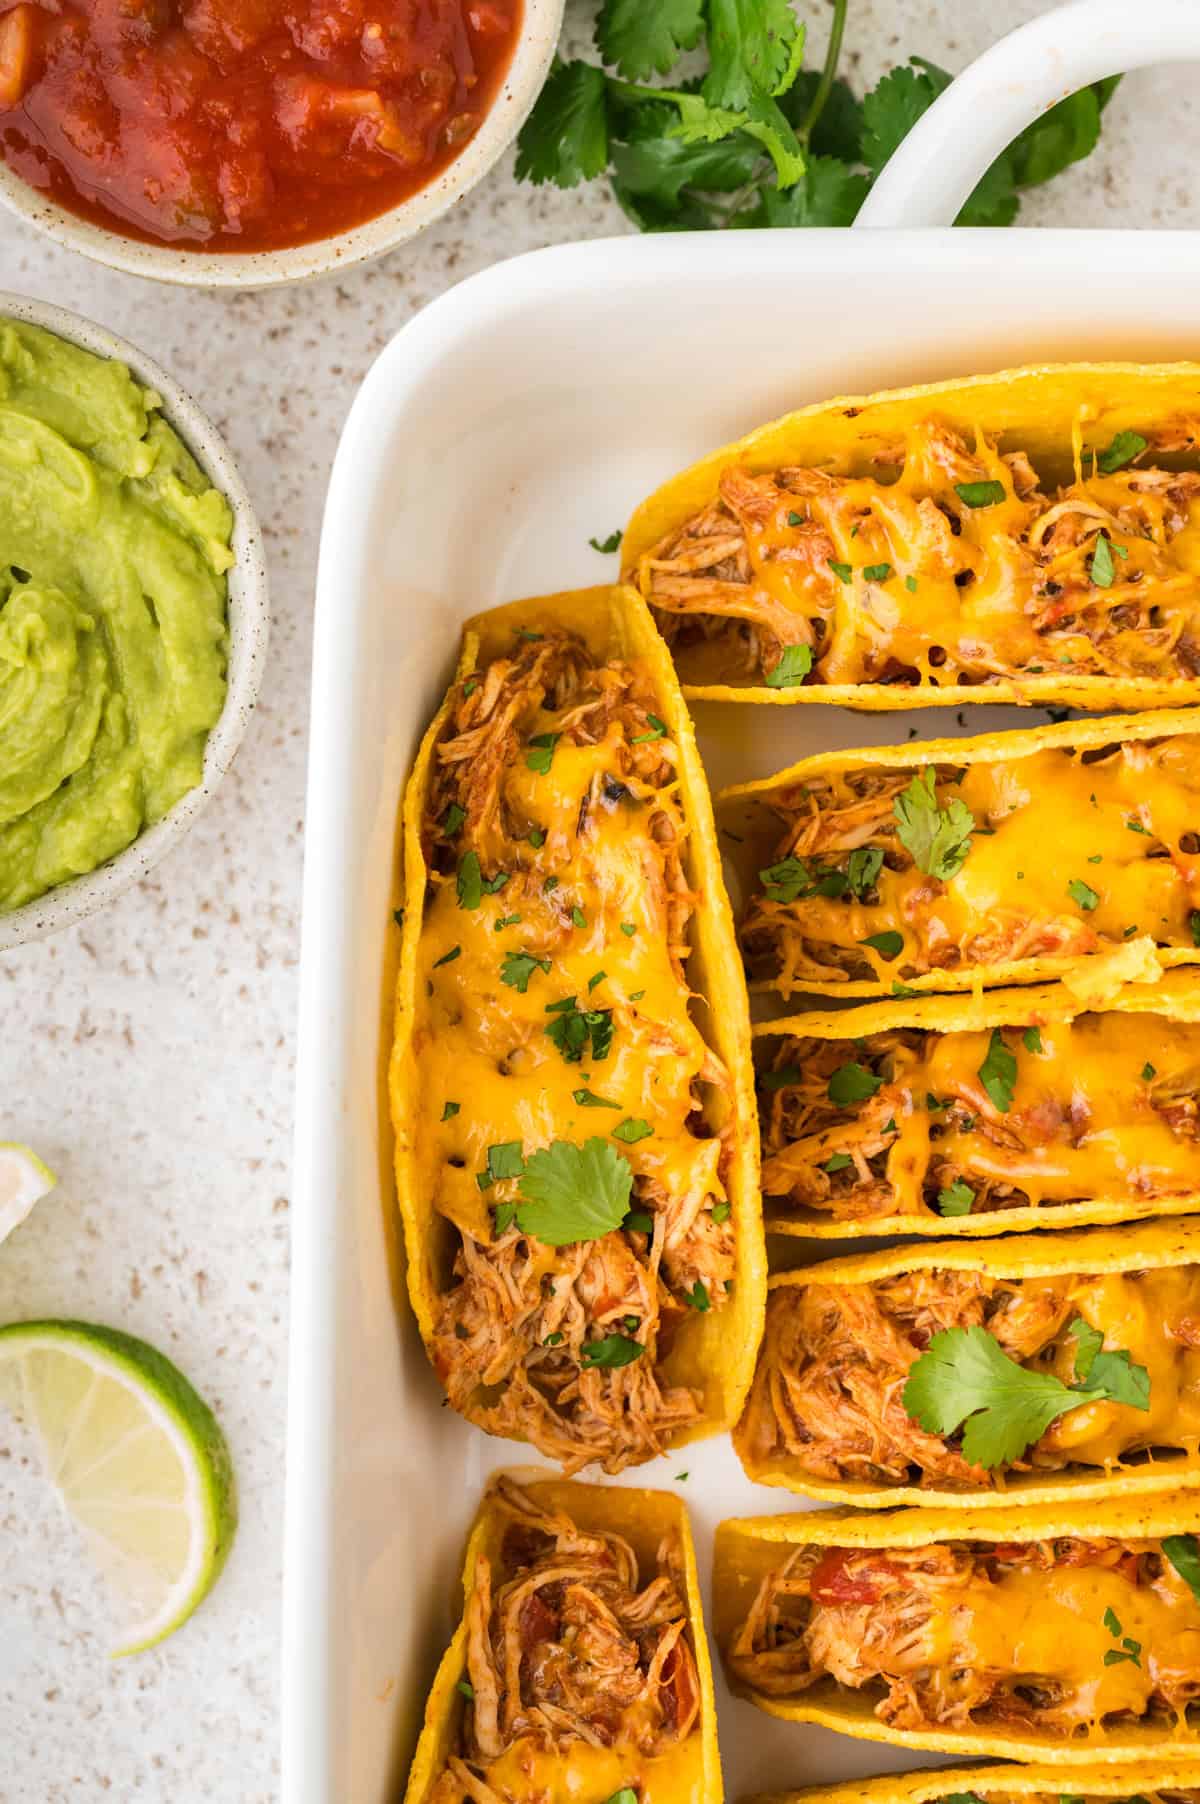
[(748, 1548), (744, 809), (713, 1352), (931, 1785), (690, 1773), (1037, 409), (1176, 995), (1146, 1248)]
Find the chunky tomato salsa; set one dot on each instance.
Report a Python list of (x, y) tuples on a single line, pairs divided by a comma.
[(244, 124)]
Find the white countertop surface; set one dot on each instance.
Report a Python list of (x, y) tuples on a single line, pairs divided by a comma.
[(148, 1054)]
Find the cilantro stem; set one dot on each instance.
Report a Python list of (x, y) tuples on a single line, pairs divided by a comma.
[(833, 51)]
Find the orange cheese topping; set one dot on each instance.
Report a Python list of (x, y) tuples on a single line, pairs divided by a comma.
[(1124, 831), (529, 1775), (601, 927)]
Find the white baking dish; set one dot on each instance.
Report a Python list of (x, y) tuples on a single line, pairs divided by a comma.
[(526, 411)]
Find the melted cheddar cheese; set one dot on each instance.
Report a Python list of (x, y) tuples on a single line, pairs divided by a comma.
[(486, 1046), (1067, 858), (526, 1774)]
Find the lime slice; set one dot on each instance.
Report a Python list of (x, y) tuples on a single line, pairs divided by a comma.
[(24, 1180), (138, 1461)]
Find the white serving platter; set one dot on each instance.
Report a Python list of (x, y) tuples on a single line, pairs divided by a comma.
[(522, 414)]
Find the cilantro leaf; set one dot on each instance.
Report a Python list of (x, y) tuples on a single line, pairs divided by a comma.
[(519, 967), (828, 194), (980, 494), (938, 838), (1122, 450), (761, 119), (1083, 894), (573, 1028), (455, 816), (755, 47), (1064, 135), (640, 40), (697, 1298), (1102, 569), (469, 882), (632, 1131), (998, 1073), (1031, 1039), (862, 868), (852, 1083), (605, 546), (781, 1079), (587, 1099), (965, 1380), (792, 668), (613, 1350), (1183, 1551), (540, 755), (565, 138), (888, 944), (571, 1193), (1113, 1372), (838, 128), (956, 1198), (893, 107)]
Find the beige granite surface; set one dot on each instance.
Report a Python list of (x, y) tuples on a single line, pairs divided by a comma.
[(149, 1053)]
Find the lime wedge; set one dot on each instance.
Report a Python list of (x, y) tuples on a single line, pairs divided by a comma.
[(138, 1461), (24, 1180)]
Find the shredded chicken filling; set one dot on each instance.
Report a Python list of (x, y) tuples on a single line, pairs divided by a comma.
[(827, 1398), (962, 1635), (568, 1647), (1124, 823), (559, 1011), (902, 578), (1105, 1106)]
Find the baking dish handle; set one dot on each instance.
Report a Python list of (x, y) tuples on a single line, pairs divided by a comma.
[(938, 164)]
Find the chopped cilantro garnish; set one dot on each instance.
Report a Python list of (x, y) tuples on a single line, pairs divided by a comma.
[(1136, 826), (632, 1131), (658, 729), (549, 885), (578, 918), (1102, 569), (455, 816), (791, 880), (1194, 925), (852, 1083), (956, 1198), (938, 838), (1083, 894), (519, 967), (587, 1099), (639, 1221), (573, 1028), (448, 958), (527, 632), (792, 668), (837, 1162), (466, 1687), (503, 921), (636, 995), (505, 1159), (1031, 1039), (795, 519), (781, 1079), (697, 1298), (1121, 450), (470, 686), (877, 573), (613, 1350), (721, 1212), (597, 977), (998, 1073), (1148, 1072), (888, 945), (843, 572), (537, 838), (398, 916), (910, 583), (570, 1193), (554, 1340), (540, 754), (629, 928), (469, 882), (608, 545), (979, 494), (492, 886), (451, 1110), (862, 868), (964, 1380)]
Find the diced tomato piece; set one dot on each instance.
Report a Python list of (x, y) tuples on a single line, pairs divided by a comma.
[(17, 42), (833, 1582), (488, 21)]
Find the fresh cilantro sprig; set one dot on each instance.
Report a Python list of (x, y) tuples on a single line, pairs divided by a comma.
[(938, 838), (570, 1193), (754, 139), (965, 1380)]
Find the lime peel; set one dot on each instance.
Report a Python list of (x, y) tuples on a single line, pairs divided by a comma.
[(24, 1181), (137, 1458)]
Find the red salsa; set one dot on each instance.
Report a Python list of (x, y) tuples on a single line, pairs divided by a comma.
[(244, 125)]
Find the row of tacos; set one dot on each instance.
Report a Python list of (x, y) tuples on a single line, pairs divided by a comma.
[(579, 1670), (584, 1167)]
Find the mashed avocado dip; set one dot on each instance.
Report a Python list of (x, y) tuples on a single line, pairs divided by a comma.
[(113, 553)]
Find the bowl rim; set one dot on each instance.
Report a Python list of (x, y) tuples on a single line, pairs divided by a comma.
[(248, 617), (540, 26)]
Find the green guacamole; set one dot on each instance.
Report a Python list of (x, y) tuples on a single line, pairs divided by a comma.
[(113, 640)]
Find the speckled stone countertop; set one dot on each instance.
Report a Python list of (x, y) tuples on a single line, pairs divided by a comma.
[(148, 1054)]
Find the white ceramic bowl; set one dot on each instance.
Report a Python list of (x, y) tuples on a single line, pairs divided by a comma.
[(248, 628), (266, 269)]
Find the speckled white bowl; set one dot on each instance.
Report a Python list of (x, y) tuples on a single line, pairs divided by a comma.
[(249, 619), (325, 256)]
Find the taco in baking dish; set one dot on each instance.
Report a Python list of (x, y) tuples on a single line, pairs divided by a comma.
[(1029, 536), (1150, 1782), (1046, 1367), (576, 1152), (579, 1671), (1025, 1633), (1008, 858), (969, 1115)]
